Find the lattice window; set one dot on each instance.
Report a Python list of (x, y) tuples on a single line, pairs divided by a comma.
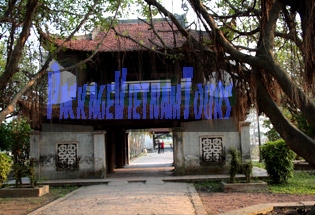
[(211, 149), (67, 156)]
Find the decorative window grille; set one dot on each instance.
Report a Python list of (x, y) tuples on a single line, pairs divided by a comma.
[(211, 149), (67, 156)]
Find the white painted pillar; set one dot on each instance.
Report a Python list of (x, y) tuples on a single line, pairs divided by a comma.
[(100, 168), (245, 140), (178, 151)]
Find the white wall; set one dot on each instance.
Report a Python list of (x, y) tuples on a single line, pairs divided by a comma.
[(90, 151), (189, 152)]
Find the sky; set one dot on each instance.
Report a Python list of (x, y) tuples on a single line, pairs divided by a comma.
[(175, 7)]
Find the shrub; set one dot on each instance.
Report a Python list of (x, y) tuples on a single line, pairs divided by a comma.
[(235, 164), (20, 147), (31, 173), (278, 160), (5, 167), (247, 168)]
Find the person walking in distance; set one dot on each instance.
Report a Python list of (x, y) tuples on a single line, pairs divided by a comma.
[(162, 146), (159, 146)]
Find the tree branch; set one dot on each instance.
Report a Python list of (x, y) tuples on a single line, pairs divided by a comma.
[(268, 39), (219, 37), (295, 139), (15, 57), (191, 39), (264, 61), (291, 37), (10, 108), (8, 11)]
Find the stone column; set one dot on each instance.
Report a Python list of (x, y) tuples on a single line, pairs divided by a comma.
[(35, 150), (245, 140), (99, 154), (178, 150)]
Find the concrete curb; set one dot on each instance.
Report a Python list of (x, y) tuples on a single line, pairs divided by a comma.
[(196, 201), (265, 208), (38, 210)]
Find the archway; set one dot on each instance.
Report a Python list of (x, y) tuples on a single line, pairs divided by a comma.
[(141, 154)]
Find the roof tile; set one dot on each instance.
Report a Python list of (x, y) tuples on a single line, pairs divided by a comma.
[(140, 31)]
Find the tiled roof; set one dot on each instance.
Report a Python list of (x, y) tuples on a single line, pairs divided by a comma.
[(137, 30)]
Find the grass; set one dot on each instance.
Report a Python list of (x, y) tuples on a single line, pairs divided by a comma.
[(62, 191), (258, 164), (209, 186), (303, 182)]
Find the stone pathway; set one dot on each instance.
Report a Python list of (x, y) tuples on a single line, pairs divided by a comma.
[(120, 197)]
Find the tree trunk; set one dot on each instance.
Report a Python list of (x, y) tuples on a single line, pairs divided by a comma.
[(306, 10), (299, 142)]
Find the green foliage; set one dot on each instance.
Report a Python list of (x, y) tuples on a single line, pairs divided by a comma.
[(5, 167), (20, 149), (209, 186), (278, 159), (303, 125), (272, 134), (235, 164), (247, 168), (5, 142), (18, 141), (2, 57), (289, 56)]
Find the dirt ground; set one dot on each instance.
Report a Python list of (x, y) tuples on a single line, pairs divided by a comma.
[(22, 206), (214, 202), (217, 203)]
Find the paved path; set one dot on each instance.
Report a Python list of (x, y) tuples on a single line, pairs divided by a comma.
[(134, 191), (146, 186), (150, 165), (152, 197)]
